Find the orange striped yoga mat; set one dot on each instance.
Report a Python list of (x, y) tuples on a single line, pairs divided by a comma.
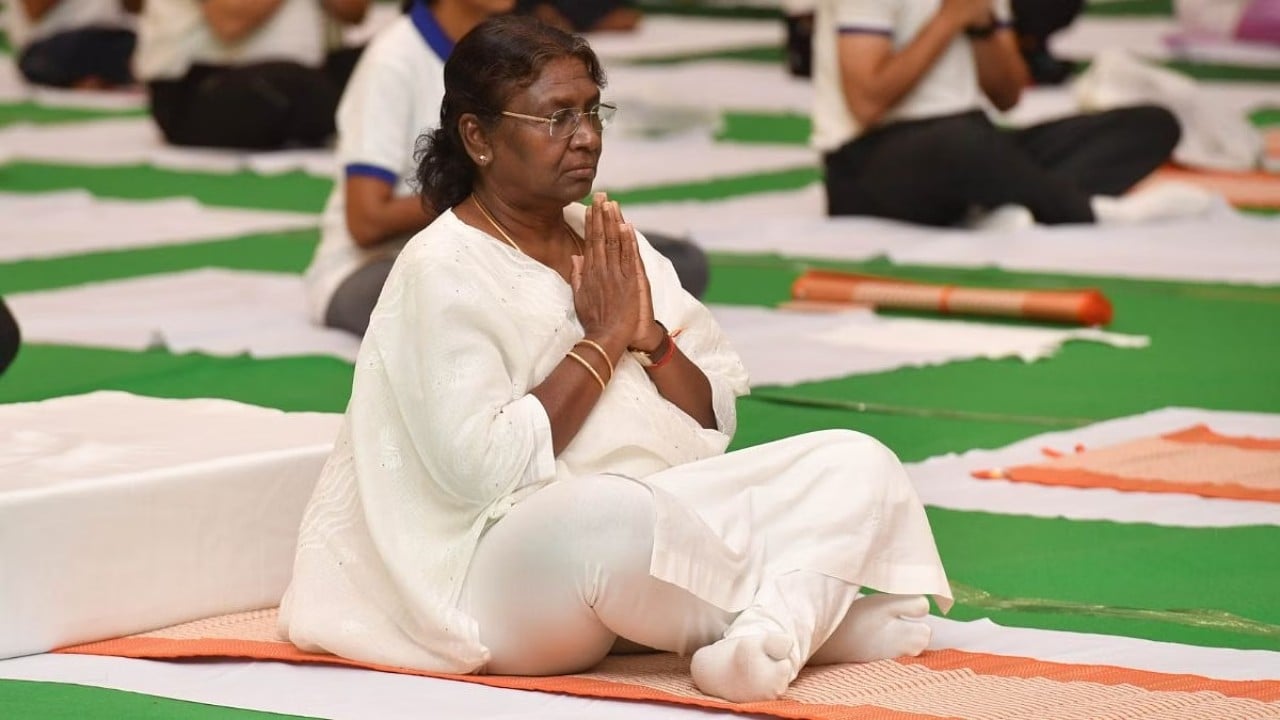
[(1195, 460), (1257, 190), (948, 683)]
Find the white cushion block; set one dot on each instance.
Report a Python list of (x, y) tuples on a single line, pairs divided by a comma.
[(120, 513)]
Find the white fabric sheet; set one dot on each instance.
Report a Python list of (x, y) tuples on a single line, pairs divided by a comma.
[(1223, 246), (153, 511), (71, 222), (216, 311), (356, 694), (945, 481), (229, 312), (782, 347), (719, 84), (665, 35), (1158, 38), (130, 141), (629, 162)]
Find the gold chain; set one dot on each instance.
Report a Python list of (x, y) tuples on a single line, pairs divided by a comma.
[(503, 231), (496, 225)]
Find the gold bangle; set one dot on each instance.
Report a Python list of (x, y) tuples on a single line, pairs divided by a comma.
[(598, 348), (590, 369)]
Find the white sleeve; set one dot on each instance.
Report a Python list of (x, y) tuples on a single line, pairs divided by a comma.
[(448, 354), (375, 119), (877, 17)]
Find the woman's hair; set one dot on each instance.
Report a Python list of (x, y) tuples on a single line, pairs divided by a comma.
[(500, 56)]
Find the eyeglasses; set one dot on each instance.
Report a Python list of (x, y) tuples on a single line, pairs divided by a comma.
[(564, 123)]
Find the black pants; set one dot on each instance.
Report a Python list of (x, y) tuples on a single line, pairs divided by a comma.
[(9, 337), (69, 58), (260, 106), (1042, 18), (932, 172)]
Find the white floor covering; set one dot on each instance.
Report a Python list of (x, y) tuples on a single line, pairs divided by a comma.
[(233, 312), (1158, 38), (945, 481), (629, 163), (71, 222), (1223, 246)]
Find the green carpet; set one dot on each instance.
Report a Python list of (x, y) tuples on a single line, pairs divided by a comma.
[(21, 700), (29, 112)]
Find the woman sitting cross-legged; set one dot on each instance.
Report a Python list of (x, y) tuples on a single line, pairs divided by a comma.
[(533, 462)]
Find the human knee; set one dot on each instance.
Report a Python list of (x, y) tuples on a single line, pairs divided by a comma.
[(689, 261), (1156, 124)]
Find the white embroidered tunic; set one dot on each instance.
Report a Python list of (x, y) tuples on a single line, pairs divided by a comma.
[(441, 438)]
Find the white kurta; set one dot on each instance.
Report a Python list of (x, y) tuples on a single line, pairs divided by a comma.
[(441, 438)]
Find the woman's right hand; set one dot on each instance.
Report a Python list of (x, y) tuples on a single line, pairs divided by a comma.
[(609, 289)]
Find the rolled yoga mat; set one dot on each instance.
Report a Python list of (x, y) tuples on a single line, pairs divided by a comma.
[(1082, 307)]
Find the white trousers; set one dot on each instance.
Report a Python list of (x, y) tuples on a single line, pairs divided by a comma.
[(565, 573)]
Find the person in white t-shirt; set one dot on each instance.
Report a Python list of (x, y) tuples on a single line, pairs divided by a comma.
[(81, 44), (244, 74), (394, 96), (900, 87)]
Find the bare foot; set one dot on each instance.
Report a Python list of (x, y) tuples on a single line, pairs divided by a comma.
[(749, 668), (878, 627)]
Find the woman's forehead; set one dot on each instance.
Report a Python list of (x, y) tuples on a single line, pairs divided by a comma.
[(562, 78)]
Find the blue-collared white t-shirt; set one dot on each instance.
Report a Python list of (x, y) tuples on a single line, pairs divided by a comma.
[(393, 96), (950, 87)]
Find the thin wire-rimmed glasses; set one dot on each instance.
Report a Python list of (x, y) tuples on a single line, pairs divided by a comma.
[(564, 123)]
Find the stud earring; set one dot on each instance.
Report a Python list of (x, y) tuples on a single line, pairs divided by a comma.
[(483, 159)]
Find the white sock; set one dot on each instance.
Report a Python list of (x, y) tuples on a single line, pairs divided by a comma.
[(747, 668), (1005, 218), (878, 627), (1162, 201)]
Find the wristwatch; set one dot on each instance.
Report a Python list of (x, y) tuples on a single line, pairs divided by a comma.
[(982, 32), (648, 358)]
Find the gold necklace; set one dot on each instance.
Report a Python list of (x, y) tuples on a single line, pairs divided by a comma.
[(496, 225), (577, 242)]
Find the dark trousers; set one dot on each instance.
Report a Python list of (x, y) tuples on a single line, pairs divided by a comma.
[(260, 106), (1042, 18), (9, 336), (69, 58), (932, 172)]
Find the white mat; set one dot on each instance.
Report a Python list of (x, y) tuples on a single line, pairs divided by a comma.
[(216, 311), (358, 694), (152, 512), (783, 348), (945, 481), (666, 35), (1157, 38), (1040, 104), (229, 312), (1225, 246), (44, 225), (628, 162), (715, 84), (131, 141)]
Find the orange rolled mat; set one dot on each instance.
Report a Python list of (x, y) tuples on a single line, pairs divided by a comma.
[(1078, 307)]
